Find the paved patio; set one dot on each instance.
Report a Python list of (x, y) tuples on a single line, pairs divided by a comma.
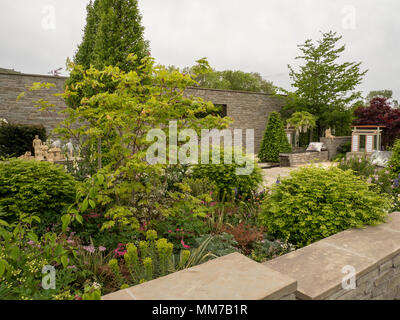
[(271, 175)]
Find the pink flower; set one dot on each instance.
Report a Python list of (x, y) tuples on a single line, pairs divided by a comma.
[(70, 241), (31, 243), (169, 231), (184, 245), (90, 248), (101, 249)]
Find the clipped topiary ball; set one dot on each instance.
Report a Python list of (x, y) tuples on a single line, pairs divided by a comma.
[(314, 203), (35, 188)]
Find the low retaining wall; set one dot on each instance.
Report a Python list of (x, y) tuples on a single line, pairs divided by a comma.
[(294, 159), (373, 253), (232, 277), (317, 271)]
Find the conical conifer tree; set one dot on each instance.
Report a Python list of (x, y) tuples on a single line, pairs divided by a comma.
[(274, 141), (113, 31)]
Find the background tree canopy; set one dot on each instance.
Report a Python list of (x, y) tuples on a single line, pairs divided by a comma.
[(230, 80)]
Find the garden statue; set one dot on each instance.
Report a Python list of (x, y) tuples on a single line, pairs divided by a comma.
[(328, 133), (45, 151), (56, 144), (37, 146), (55, 154), (26, 156), (70, 149)]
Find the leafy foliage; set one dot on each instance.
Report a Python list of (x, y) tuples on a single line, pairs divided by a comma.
[(382, 94), (315, 203), (16, 139), (235, 80), (394, 162), (324, 87), (274, 141), (34, 188), (380, 113), (302, 121), (361, 166), (126, 189), (226, 178), (22, 258), (113, 31)]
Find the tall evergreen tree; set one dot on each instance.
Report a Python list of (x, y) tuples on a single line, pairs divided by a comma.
[(275, 140), (119, 33), (113, 31), (85, 54)]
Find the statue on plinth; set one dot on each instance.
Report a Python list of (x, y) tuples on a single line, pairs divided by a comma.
[(45, 151), (26, 156), (70, 149), (37, 146), (328, 133)]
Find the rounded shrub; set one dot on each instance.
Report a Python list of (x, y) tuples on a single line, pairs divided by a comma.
[(314, 203), (228, 179), (35, 188)]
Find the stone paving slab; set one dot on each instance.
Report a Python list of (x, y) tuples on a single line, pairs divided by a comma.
[(318, 267), (232, 277), (270, 175)]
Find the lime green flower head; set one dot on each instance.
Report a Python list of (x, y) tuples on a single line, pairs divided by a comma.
[(151, 235)]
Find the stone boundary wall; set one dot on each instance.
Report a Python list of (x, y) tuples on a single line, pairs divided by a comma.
[(315, 272), (333, 143), (249, 110)]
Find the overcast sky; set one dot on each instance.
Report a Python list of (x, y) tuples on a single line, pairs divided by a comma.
[(253, 36)]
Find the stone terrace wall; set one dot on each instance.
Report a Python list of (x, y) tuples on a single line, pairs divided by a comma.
[(315, 272), (248, 110), (374, 252)]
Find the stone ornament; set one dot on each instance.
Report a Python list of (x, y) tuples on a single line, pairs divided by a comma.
[(328, 133), (44, 152), (37, 146)]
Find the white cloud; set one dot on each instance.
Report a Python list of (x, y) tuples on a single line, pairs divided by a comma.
[(254, 35)]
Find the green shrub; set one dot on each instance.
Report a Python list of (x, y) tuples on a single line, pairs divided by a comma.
[(314, 203), (226, 178), (394, 162), (361, 166), (274, 141), (34, 188), (16, 139), (220, 245)]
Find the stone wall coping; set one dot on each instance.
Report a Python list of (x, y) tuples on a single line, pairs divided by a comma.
[(318, 267), (231, 277), (191, 88), (33, 75)]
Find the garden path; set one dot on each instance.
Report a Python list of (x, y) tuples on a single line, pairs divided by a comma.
[(270, 175)]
